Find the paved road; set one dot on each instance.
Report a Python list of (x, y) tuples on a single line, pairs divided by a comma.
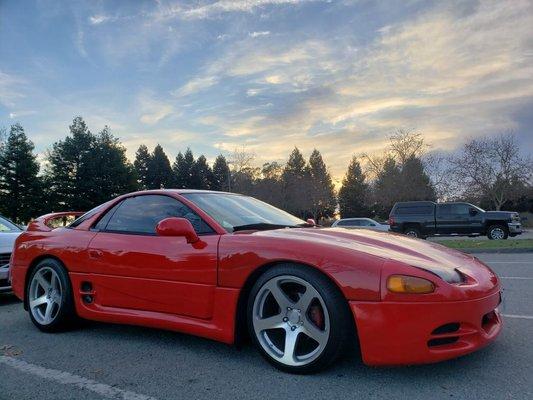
[(108, 361), (525, 235)]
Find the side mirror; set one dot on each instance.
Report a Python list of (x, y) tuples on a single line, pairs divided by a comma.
[(473, 211), (311, 221), (177, 227)]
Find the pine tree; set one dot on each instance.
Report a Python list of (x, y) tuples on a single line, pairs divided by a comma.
[(85, 170), (142, 159), (354, 193), (221, 174), (183, 169), (179, 170), (71, 168), (159, 173), (202, 174), (322, 190), (20, 187), (114, 173), (415, 181), (296, 180), (387, 187)]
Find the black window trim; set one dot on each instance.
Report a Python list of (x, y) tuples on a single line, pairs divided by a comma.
[(104, 213)]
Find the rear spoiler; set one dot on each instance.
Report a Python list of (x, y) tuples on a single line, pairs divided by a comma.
[(44, 223)]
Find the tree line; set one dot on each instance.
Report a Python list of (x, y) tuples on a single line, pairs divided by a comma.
[(86, 169)]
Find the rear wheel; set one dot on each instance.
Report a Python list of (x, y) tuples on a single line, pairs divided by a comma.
[(50, 297), (413, 232), (497, 232), (298, 319)]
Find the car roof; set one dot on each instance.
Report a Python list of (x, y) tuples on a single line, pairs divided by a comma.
[(421, 202)]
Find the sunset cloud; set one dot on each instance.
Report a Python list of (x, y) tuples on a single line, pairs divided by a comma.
[(274, 74)]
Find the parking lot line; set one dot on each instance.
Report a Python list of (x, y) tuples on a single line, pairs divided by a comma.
[(66, 378), (518, 316), (516, 277), (509, 262)]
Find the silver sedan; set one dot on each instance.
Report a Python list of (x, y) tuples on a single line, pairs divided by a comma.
[(8, 234), (357, 223)]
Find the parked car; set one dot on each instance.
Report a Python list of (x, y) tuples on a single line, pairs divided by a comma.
[(217, 264), (9, 231), (426, 218), (356, 223)]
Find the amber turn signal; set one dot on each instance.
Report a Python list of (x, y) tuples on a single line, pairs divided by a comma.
[(409, 284)]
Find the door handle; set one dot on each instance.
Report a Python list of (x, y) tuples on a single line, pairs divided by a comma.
[(94, 254)]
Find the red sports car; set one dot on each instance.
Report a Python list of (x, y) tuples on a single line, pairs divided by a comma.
[(220, 264)]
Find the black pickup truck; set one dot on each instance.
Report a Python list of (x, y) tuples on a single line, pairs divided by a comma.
[(426, 218)]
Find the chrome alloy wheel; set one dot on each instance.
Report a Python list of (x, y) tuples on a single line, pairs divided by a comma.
[(45, 295), (290, 320), (497, 233)]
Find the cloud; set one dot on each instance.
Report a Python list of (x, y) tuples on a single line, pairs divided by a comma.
[(12, 89), (153, 111), (196, 85), (217, 8), (435, 72), (258, 34), (98, 19)]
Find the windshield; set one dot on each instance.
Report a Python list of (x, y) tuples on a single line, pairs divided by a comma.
[(476, 207), (235, 212), (8, 226)]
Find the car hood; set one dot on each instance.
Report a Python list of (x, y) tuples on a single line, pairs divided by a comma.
[(503, 215), (423, 254), (7, 240)]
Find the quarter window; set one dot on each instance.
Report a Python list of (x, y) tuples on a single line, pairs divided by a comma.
[(141, 214)]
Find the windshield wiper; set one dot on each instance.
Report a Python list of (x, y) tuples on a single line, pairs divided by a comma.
[(260, 226)]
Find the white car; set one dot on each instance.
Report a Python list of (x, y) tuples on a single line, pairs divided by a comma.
[(356, 223), (8, 233)]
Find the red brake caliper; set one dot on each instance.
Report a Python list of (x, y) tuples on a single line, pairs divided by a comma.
[(317, 316)]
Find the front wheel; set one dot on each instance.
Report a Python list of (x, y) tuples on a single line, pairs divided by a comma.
[(298, 319), (497, 232), (49, 296)]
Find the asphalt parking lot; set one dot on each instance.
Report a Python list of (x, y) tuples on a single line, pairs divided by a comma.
[(101, 361)]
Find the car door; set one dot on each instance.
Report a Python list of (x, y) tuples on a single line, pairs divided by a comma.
[(444, 219), (350, 224), (133, 268), (475, 219), (454, 218)]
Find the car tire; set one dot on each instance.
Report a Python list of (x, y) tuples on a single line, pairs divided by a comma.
[(326, 318), (49, 297), (413, 232), (497, 232)]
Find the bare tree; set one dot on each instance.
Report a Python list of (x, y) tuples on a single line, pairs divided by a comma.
[(404, 144), (243, 173), (438, 168), (407, 144), (492, 167)]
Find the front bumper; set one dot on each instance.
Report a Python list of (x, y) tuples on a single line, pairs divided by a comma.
[(5, 286), (515, 228), (400, 333)]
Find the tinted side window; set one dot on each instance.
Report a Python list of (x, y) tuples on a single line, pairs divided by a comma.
[(414, 210), (141, 214), (102, 223), (444, 209), (462, 209), (349, 223)]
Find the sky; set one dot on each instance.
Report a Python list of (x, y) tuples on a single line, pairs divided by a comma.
[(269, 75)]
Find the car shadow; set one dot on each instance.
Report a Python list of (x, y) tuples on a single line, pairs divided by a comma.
[(7, 299), (348, 367)]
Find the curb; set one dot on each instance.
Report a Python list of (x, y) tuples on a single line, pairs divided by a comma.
[(496, 251)]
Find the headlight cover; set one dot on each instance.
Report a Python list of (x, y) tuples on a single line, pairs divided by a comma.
[(409, 284)]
